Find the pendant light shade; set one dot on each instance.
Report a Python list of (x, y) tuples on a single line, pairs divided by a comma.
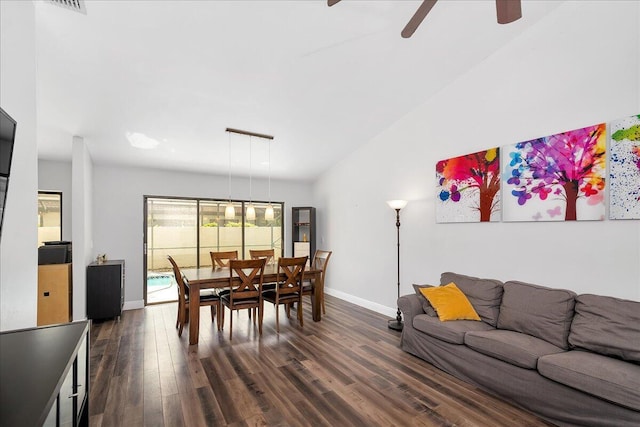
[(268, 213), (230, 211), (251, 212)]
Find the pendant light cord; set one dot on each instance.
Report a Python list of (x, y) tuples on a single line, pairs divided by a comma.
[(229, 143), (269, 171)]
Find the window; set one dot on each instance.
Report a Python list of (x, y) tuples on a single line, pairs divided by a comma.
[(49, 216)]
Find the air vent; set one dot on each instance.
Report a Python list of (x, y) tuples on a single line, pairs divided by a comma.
[(76, 5)]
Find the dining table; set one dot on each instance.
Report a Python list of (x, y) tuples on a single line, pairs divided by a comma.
[(218, 277)]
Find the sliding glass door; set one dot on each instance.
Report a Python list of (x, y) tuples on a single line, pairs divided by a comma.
[(188, 229), (171, 229)]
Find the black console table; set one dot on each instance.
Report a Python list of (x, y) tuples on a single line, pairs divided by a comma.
[(44, 376), (105, 289)]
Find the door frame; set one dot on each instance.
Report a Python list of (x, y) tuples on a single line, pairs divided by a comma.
[(145, 200)]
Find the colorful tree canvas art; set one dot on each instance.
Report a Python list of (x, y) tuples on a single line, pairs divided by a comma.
[(556, 178), (468, 187), (624, 169)]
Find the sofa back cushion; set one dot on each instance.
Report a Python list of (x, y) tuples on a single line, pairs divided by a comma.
[(483, 294), (539, 311), (607, 325)]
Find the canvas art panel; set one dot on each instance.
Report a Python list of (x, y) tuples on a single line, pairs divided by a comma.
[(468, 187), (624, 168), (559, 177)]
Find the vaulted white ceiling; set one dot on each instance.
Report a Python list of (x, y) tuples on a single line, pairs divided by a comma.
[(322, 80)]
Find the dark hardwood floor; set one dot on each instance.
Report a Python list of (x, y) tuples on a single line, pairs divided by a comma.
[(346, 370)]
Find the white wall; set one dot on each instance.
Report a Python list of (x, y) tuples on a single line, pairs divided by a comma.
[(118, 209), (56, 176), (579, 66), (18, 249)]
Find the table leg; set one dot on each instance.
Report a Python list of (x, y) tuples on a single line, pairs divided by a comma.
[(194, 313), (316, 306)]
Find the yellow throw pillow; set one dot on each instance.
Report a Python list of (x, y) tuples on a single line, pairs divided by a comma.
[(450, 303)]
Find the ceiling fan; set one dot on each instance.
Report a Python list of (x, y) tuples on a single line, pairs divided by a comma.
[(508, 11)]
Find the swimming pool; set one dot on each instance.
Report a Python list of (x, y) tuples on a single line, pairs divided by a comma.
[(157, 281)]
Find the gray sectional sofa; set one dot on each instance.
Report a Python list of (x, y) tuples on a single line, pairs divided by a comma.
[(572, 359)]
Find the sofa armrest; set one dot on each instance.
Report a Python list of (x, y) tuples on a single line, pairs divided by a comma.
[(411, 306)]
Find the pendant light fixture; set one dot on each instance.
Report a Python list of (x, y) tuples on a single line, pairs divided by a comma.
[(251, 211), (229, 211), (268, 213)]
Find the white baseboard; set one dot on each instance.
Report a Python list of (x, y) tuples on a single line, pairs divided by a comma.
[(133, 305), (379, 308)]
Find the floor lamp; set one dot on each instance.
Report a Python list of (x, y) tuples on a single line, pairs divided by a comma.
[(397, 205)]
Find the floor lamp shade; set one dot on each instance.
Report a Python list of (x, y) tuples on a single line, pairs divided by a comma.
[(397, 204)]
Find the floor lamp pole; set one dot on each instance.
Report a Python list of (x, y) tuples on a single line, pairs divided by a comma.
[(397, 323)]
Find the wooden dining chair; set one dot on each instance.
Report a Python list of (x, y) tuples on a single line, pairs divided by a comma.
[(221, 259), (269, 255), (207, 297), (288, 286), (320, 262), (246, 294)]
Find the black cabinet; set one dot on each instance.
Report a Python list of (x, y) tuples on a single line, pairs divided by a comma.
[(303, 233), (105, 289), (44, 376)]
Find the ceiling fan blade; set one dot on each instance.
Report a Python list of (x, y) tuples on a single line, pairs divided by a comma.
[(332, 2), (508, 11), (417, 18)]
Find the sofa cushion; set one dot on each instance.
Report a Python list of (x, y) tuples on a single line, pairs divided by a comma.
[(605, 377), (483, 294), (607, 325), (426, 305), (451, 332), (536, 310), (450, 303), (511, 347)]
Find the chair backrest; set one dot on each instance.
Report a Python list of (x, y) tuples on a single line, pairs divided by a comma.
[(246, 270), (290, 274), (182, 289), (268, 254), (321, 260), (221, 259)]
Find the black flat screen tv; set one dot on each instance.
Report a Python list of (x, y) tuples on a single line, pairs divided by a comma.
[(7, 138), (58, 252), (53, 254)]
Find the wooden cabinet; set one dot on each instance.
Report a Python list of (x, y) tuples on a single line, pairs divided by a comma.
[(44, 376), (303, 233), (105, 289), (54, 294)]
